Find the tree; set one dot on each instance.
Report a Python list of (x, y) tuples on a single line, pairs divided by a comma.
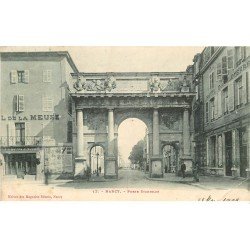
[(136, 154)]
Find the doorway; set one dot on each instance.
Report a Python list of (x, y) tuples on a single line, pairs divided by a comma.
[(170, 159), (228, 151), (243, 152), (97, 160), (16, 163)]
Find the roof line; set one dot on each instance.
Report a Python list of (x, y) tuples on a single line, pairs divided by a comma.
[(61, 53)]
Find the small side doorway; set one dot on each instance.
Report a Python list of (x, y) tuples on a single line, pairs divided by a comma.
[(243, 152), (97, 160), (228, 148)]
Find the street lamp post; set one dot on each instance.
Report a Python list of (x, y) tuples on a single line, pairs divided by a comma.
[(97, 156)]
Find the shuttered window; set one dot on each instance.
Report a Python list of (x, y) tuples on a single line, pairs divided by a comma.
[(231, 95), (224, 65), (70, 103), (69, 131), (230, 59), (219, 71), (212, 109), (219, 103), (225, 100), (211, 80), (197, 92), (19, 76), (47, 104), (238, 92), (19, 103), (47, 75), (20, 133), (206, 111)]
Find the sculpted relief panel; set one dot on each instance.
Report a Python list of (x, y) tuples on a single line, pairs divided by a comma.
[(96, 84), (95, 119), (109, 83), (170, 120)]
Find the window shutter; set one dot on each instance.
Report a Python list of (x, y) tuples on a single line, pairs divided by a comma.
[(49, 75), (230, 59), (219, 69), (224, 65), (26, 76), (15, 102), (244, 88), (219, 104), (20, 103), (216, 106), (230, 96), (13, 76)]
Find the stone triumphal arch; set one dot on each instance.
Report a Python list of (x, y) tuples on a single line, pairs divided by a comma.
[(101, 101)]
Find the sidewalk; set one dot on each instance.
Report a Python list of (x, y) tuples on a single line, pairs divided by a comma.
[(206, 182)]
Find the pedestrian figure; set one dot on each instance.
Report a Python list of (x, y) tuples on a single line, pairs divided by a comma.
[(46, 176), (88, 173), (183, 169), (100, 170), (195, 172)]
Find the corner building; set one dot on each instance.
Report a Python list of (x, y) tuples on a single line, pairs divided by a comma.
[(221, 110), (36, 121)]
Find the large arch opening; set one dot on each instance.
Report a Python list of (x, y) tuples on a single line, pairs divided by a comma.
[(132, 145)]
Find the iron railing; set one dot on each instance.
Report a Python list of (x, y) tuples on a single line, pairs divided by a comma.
[(6, 141)]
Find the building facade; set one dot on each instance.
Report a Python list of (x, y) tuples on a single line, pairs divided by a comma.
[(36, 120), (221, 110)]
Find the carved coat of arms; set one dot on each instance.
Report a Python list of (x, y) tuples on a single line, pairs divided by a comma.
[(107, 84)]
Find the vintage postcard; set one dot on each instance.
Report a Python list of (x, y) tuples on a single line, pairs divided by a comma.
[(125, 123)]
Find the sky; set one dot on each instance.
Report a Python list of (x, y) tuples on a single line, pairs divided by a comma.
[(124, 59)]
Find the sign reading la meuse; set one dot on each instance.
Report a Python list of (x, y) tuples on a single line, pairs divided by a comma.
[(30, 117)]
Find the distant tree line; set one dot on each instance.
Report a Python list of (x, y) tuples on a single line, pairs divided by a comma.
[(136, 154)]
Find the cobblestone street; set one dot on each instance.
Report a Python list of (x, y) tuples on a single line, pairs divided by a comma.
[(131, 185)]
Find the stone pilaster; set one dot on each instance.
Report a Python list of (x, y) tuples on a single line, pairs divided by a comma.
[(111, 132), (235, 153), (80, 161), (216, 152), (111, 170), (248, 152), (156, 168), (186, 133), (79, 124), (156, 143), (186, 157), (223, 153)]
